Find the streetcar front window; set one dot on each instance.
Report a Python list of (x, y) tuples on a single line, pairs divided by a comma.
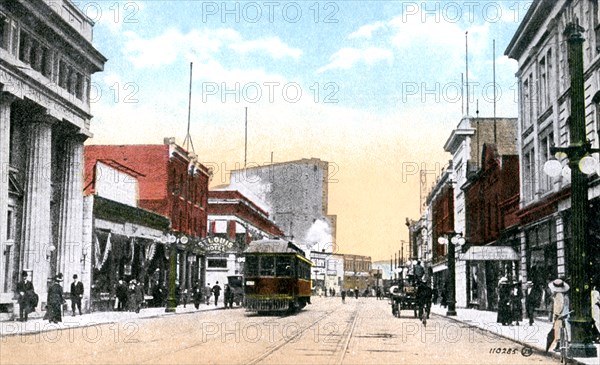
[(284, 266), (251, 265), (267, 266)]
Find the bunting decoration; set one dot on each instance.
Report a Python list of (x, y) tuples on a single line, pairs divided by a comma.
[(150, 251), (132, 245), (97, 253), (107, 250)]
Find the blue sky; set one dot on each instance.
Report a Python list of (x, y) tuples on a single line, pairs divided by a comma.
[(387, 75)]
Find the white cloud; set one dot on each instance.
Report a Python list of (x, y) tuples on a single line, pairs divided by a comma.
[(346, 58), (273, 46), (366, 31), (204, 44)]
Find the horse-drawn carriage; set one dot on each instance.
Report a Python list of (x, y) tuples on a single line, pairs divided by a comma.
[(403, 296)]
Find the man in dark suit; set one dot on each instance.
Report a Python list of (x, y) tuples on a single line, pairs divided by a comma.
[(532, 300), (26, 295), (76, 294)]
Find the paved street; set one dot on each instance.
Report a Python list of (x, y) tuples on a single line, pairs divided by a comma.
[(326, 332)]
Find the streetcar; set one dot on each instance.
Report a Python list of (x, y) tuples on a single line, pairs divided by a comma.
[(276, 277)]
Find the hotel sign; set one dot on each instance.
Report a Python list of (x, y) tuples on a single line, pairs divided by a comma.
[(217, 244)]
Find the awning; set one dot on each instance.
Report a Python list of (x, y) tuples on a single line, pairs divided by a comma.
[(490, 253), (439, 268)]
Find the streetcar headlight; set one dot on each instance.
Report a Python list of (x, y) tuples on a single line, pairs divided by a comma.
[(249, 282)]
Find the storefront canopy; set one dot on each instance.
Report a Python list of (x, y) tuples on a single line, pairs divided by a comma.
[(490, 253)]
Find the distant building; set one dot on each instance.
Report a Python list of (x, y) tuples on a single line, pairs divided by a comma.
[(328, 272), (234, 217), (296, 195), (45, 76), (357, 272)]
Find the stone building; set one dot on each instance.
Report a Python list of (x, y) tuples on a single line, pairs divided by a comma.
[(540, 47), (46, 62), (295, 194)]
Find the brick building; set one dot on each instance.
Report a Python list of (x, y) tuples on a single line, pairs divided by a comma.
[(173, 184), (491, 202), (357, 272), (234, 217), (46, 62)]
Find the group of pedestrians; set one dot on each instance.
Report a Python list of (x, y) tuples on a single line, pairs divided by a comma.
[(129, 296), (510, 308)]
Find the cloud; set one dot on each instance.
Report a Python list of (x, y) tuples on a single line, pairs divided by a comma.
[(346, 58), (366, 31), (272, 45), (204, 44)]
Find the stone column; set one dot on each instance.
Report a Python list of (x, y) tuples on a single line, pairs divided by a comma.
[(5, 102), (70, 208), (36, 237)]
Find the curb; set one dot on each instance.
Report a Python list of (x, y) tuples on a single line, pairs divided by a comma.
[(535, 349), (91, 324)]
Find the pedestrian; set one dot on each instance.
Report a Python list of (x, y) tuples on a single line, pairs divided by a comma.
[(516, 303), (55, 300), (228, 297), (423, 300), (139, 296), (207, 293), (532, 300), (216, 289), (132, 305), (157, 295), (504, 309), (197, 294), (418, 271), (26, 296), (444, 296), (560, 307), (356, 292), (76, 294), (184, 297), (596, 308), (121, 292), (343, 294)]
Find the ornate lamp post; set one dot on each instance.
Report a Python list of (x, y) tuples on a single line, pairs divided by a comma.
[(579, 162), (172, 298), (455, 239)]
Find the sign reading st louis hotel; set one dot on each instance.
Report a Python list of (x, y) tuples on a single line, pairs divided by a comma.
[(217, 244)]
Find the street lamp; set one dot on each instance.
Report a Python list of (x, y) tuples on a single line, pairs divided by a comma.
[(456, 239), (580, 164), (173, 241)]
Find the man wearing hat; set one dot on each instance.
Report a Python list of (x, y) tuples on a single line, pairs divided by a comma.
[(532, 300), (76, 294), (559, 291), (55, 300), (26, 296)]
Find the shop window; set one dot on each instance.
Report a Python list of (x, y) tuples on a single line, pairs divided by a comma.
[(217, 263)]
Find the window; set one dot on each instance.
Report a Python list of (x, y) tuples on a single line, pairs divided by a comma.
[(528, 175), (284, 266), (545, 144), (10, 234), (251, 265), (217, 263), (4, 27), (267, 265), (543, 88)]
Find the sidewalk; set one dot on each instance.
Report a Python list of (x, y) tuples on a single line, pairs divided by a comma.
[(532, 336), (38, 325)]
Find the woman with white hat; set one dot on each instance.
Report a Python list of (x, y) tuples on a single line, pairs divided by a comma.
[(561, 306), (504, 310)]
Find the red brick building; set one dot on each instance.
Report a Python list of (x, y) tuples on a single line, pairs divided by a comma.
[(172, 183), (492, 203)]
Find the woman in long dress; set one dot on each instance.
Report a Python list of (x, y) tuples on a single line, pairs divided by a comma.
[(55, 300), (504, 309)]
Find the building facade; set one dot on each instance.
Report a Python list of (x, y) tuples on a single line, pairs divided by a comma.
[(540, 48), (121, 240), (296, 195), (234, 217), (46, 63), (173, 184), (328, 272), (357, 272)]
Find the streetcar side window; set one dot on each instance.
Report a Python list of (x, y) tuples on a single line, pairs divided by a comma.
[(267, 265), (284, 266), (251, 265)]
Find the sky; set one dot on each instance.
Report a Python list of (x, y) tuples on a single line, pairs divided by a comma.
[(372, 87)]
